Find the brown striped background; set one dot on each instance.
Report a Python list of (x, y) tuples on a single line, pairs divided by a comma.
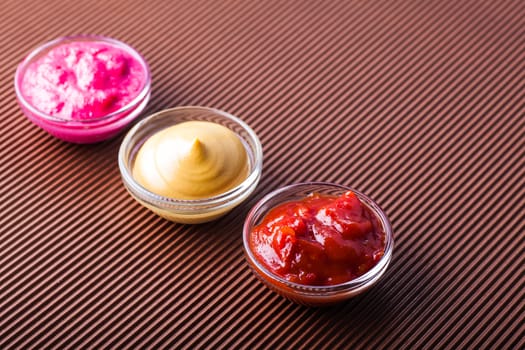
[(419, 104)]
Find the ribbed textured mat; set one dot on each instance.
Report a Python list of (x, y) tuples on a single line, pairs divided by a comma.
[(420, 104)]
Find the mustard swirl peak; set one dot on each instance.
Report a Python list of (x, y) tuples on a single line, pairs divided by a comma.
[(191, 160)]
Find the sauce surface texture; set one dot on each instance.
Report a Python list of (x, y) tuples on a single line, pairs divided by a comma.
[(191, 160), (319, 240), (83, 80)]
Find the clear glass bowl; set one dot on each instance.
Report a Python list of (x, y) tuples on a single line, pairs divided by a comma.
[(189, 211), (83, 131), (306, 294)]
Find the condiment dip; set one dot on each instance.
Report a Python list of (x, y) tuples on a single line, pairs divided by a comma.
[(190, 164), (191, 160), (83, 80), (83, 89), (320, 240)]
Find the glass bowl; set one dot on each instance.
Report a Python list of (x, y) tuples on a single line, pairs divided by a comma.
[(85, 130), (307, 294), (189, 211)]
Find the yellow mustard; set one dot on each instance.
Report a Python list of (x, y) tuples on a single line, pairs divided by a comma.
[(191, 160)]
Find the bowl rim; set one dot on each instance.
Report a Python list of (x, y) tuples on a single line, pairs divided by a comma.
[(189, 206), (36, 52), (316, 290)]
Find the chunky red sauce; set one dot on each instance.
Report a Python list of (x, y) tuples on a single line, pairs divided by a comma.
[(319, 240)]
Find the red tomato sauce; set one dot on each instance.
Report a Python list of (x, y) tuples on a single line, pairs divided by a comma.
[(319, 240)]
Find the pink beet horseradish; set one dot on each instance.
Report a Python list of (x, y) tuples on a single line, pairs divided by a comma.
[(83, 89)]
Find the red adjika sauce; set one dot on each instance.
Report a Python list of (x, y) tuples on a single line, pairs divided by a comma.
[(319, 240)]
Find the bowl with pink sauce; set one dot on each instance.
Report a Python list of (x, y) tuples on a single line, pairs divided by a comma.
[(83, 89)]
